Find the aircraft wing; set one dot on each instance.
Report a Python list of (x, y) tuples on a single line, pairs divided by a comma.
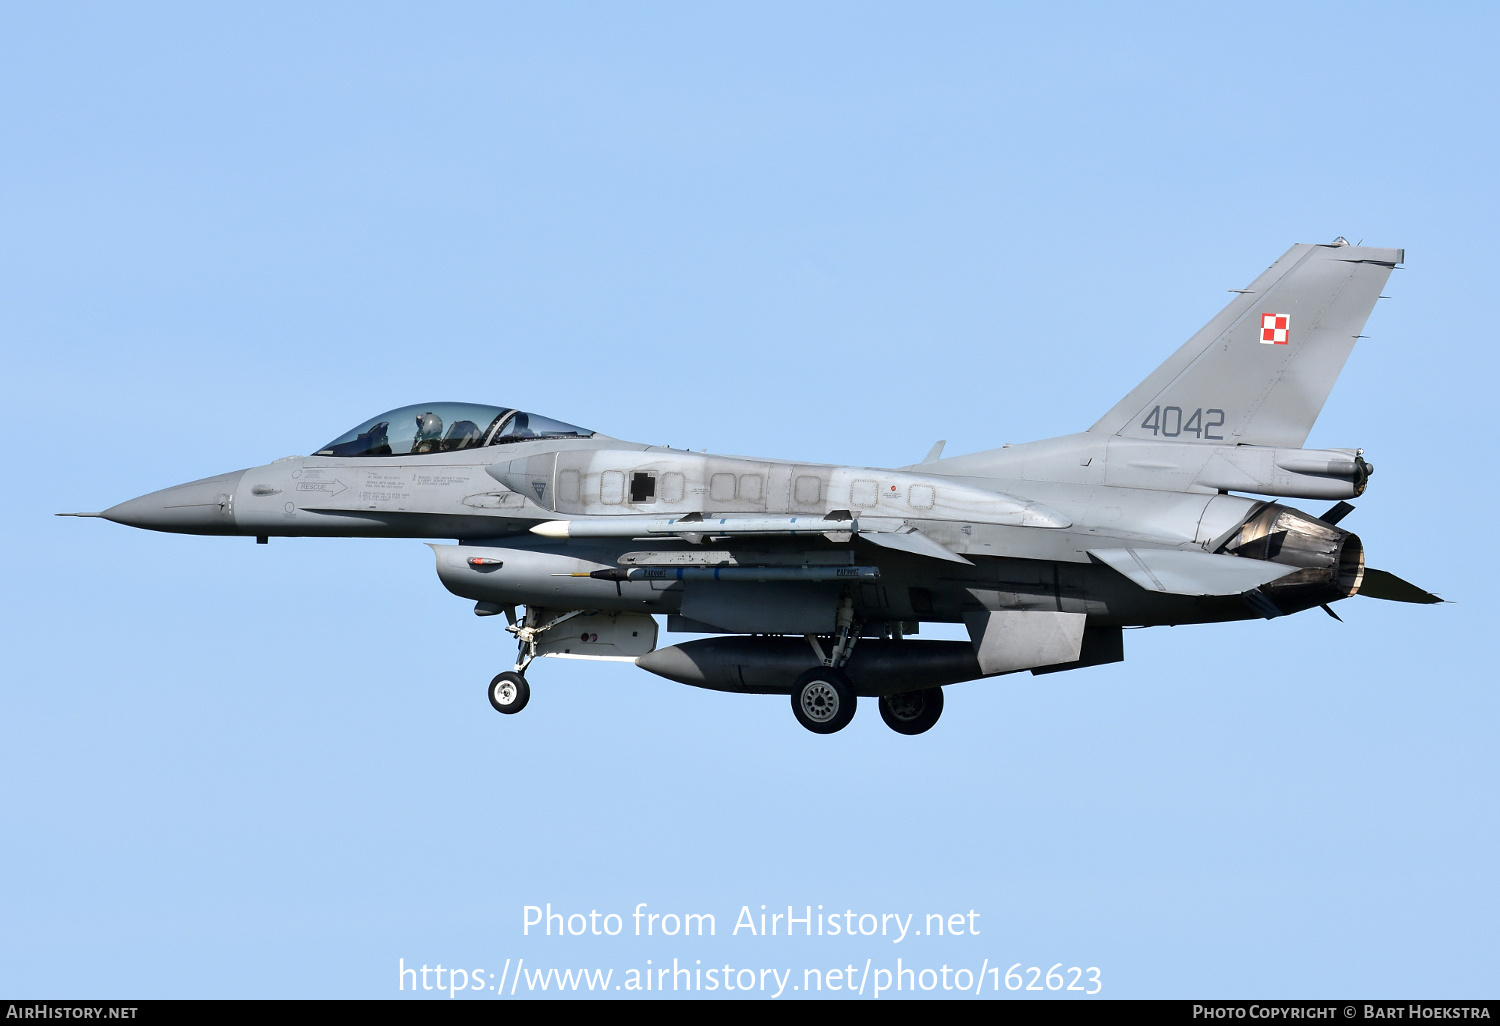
[(914, 541), (639, 527), (1190, 571), (888, 532)]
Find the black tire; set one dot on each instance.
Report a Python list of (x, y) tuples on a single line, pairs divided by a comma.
[(823, 700), (509, 692), (912, 712)]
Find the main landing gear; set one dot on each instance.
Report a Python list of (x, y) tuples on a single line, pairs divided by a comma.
[(823, 701), (912, 712), (823, 698)]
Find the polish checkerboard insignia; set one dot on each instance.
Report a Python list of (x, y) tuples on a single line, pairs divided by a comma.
[(1274, 329)]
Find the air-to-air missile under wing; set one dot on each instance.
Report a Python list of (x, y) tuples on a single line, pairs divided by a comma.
[(814, 578)]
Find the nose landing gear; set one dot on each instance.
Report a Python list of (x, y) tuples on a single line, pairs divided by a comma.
[(509, 692)]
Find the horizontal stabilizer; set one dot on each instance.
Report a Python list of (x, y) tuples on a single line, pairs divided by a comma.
[(1337, 513), (1381, 585), (916, 543), (1190, 571)]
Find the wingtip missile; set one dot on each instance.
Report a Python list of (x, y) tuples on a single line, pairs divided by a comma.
[(552, 529)]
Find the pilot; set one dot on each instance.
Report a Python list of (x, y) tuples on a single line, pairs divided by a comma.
[(429, 432)]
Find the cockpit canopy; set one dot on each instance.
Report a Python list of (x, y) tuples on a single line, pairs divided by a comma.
[(445, 427)]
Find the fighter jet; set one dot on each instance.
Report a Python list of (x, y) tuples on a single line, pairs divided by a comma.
[(813, 580)]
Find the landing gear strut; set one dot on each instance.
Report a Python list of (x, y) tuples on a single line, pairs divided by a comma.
[(823, 698), (509, 691)]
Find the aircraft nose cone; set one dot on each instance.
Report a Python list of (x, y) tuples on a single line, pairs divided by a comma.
[(198, 507)]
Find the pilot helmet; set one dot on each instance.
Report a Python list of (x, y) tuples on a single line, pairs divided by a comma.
[(429, 425)]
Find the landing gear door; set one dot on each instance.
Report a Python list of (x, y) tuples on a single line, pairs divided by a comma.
[(598, 635)]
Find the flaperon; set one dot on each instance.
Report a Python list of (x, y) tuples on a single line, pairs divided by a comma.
[(815, 578)]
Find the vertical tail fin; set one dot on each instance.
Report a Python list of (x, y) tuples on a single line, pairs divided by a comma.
[(1260, 372)]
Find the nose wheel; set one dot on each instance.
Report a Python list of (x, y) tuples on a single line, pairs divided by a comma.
[(823, 700), (509, 692)]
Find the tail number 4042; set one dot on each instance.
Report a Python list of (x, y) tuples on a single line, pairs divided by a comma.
[(1168, 422)]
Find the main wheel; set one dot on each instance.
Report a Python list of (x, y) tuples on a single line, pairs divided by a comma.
[(912, 712), (509, 692), (823, 700)]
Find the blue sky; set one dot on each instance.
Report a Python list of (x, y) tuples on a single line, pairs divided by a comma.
[(830, 232)]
